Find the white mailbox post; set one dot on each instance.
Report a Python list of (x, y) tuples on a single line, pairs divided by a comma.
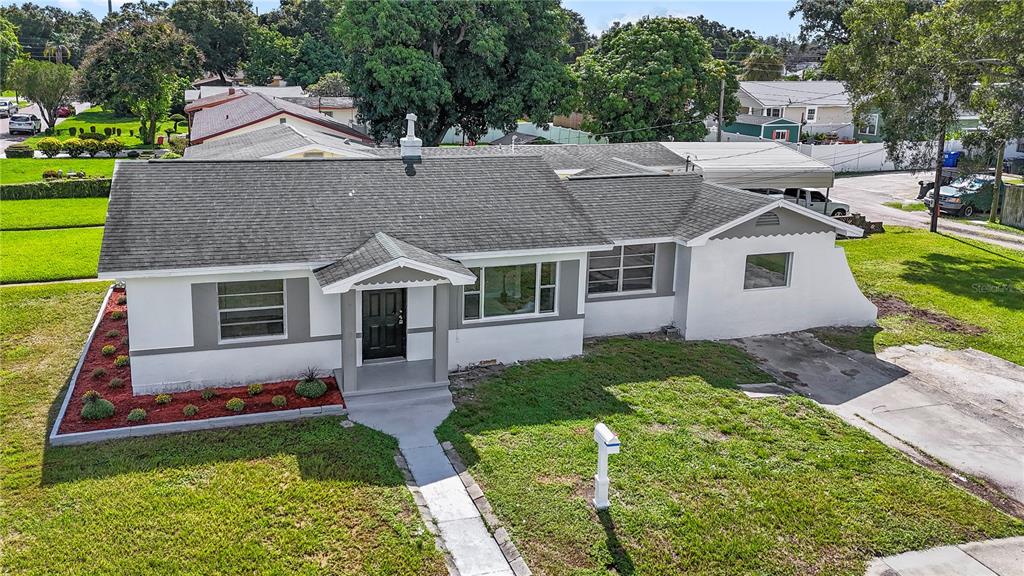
[(607, 443)]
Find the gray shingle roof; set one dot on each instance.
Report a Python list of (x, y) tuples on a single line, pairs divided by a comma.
[(615, 167), (254, 107), (562, 156), (318, 102), (799, 93), (194, 214), (659, 206), (760, 120), (269, 141), (381, 249)]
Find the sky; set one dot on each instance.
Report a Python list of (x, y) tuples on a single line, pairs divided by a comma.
[(764, 17)]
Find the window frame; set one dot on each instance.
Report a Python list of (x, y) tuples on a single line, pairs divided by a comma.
[(619, 291), (1020, 145), (768, 111), (871, 121), (777, 131), (807, 114), (480, 272), (789, 272), (284, 313)]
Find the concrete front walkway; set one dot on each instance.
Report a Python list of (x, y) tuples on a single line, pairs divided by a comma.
[(412, 421), (1003, 557)]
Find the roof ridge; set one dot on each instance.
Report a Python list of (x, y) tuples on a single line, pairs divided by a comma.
[(388, 244)]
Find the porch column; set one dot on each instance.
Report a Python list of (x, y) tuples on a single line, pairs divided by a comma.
[(441, 332), (348, 341)]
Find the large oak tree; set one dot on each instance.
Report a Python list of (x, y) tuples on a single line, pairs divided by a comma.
[(219, 28)]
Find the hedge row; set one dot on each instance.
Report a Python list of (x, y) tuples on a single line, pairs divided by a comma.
[(68, 188)]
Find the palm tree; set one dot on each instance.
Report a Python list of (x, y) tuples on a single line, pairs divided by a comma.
[(763, 63), (57, 50)]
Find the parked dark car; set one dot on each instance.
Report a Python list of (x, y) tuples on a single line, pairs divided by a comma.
[(965, 195)]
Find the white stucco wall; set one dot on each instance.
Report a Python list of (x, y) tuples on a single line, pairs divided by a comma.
[(324, 311), (159, 313), (821, 292), (514, 342), (626, 316)]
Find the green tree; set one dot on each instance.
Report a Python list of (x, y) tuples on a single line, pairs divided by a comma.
[(739, 51), (313, 59), (48, 84), (294, 18), (10, 50), (132, 13), (270, 54), (763, 63), (474, 65), (821, 21), (651, 80), (219, 28), (144, 67), (580, 39), (66, 34), (332, 84)]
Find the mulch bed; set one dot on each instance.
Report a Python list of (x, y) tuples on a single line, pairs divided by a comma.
[(893, 306), (124, 401)]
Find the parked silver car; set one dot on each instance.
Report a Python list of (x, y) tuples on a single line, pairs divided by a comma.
[(8, 107), (808, 197), (25, 124)]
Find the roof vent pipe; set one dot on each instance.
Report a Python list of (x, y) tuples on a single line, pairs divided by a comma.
[(412, 147)]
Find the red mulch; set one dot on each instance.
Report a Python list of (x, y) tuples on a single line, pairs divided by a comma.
[(124, 401)]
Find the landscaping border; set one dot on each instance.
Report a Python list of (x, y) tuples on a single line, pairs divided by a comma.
[(63, 188)]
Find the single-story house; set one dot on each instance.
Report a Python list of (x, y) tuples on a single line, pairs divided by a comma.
[(341, 108), (279, 141), (765, 127), (817, 105), (254, 110), (206, 90), (392, 273)]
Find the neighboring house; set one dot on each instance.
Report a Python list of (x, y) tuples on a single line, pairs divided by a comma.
[(279, 141), (392, 277), (206, 91), (341, 108), (765, 127), (817, 105), (253, 111)]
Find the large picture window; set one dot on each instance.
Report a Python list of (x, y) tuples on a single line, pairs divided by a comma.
[(621, 269), (511, 290), (252, 309), (767, 271)]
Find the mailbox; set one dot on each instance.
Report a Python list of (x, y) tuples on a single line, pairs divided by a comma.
[(602, 435), (607, 443)]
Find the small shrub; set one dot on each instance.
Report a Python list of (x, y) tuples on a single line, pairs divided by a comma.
[(279, 401), (74, 147), (137, 415), (95, 407), (170, 156), (116, 315), (118, 131), (254, 389), (108, 350), (108, 130), (91, 396), (122, 300), (235, 405), (208, 393), (131, 132), (92, 136), (99, 373), (133, 153), (113, 333), (72, 131), (177, 144), (92, 128), (163, 399), (47, 174), (115, 383), (19, 151), (113, 146), (92, 147), (311, 388), (49, 146), (121, 361), (190, 410)]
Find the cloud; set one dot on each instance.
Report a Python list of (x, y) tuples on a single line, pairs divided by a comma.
[(633, 16)]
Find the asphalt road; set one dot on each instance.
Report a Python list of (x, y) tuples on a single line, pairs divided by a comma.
[(865, 194), (6, 139)]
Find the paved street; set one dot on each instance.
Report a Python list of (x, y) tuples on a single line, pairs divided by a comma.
[(865, 194), (6, 139)]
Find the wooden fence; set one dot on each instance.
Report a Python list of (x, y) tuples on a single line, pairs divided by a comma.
[(1013, 206)]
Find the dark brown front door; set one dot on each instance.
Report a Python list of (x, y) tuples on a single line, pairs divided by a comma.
[(383, 323)]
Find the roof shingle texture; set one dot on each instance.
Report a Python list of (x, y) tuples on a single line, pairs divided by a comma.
[(254, 107), (194, 214), (562, 156), (799, 93), (265, 142), (381, 249)]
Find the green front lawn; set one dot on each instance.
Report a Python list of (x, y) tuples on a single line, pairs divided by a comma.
[(100, 118), (971, 281), (906, 207), (293, 498), (61, 254), (708, 481), (52, 213), (18, 170)]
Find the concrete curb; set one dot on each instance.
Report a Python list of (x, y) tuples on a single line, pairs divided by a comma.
[(501, 536)]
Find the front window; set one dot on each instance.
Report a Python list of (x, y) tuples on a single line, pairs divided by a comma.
[(1020, 145), (773, 112), (780, 135), (511, 290), (812, 115), (767, 271), (252, 309), (621, 269), (870, 125)]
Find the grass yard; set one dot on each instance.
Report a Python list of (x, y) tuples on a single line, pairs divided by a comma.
[(906, 207), (18, 170), (970, 281), (52, 213), (100, 118), (290, 498), (37, 255), (708, 481)]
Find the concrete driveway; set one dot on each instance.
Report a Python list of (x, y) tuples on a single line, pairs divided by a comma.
[(964, 408), (866, 194)]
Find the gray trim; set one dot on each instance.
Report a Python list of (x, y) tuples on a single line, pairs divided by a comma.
[(205, 319), (423, 329), (348, 341), (790, 222), (233, 345), (440, 328), (664, 276), (568, 293), (683, 254)]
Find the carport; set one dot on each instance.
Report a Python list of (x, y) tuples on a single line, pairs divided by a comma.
[(753, 164)]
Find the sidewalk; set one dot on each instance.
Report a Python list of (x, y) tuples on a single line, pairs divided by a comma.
[(1003, 557)]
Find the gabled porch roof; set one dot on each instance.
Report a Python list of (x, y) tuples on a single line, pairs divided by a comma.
[(381, 254)]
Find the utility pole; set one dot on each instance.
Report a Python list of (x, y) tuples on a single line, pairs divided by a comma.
[(110, 7), (721, 107), (934, 226)]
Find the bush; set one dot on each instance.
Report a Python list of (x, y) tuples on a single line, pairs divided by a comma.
[(74, 147), (72, 131), (190, 410), (279, 401), (177, 144), (115, 383), (99, 373), (235, 405), (117, 315), (121, 300), (113, 334), (254, 389), (19, 151), (92, 128), (311, 388), (108, 131), (170, 156), (92, 136), (108, 350), (133, 153), (51, 173), (163, 399), (113, 146), (118, 131), (95, 407), (49, 146), (61, 188), (137, 415), (208, 393), (92, 147), (121, 361)]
